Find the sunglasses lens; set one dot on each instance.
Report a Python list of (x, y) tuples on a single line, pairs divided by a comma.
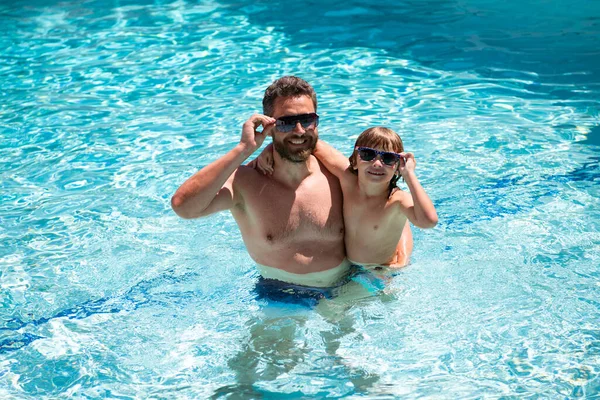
[(366, 154), (287, 124), (309, 121), (389, 158), (285, 127)]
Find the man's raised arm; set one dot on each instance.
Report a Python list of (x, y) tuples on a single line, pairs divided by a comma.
[(211, 189)]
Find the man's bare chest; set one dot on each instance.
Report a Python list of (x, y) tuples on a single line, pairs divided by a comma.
[(307, 212), (295, 209)]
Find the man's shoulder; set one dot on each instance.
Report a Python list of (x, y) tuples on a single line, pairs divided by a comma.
[(245, 169), (247, 180), (245, 174)]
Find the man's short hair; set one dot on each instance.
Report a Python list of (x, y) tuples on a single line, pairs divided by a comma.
[(287, 86)]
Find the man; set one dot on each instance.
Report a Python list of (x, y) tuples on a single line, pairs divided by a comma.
[(291, 221)]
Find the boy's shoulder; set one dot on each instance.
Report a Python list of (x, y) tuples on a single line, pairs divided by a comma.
[(397, 192), (348, 178), (399, 197)]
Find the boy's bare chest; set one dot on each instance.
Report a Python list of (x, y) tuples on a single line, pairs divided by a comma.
[(367, 216)]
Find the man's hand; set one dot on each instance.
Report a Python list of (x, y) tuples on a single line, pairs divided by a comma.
[(407, 164), (252, 139)]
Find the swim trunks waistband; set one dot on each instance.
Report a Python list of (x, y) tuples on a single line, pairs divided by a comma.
[(367, 265), (325, 278)]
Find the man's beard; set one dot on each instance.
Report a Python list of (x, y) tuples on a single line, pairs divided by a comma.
[(297, 156)]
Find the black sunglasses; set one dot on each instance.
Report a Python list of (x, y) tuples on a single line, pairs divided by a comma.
[(387, 157), (288, 123)]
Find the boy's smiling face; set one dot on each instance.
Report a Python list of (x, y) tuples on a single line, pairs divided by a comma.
[(375, 170)]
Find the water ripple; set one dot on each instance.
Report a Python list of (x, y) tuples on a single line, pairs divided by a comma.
[(107, 108)]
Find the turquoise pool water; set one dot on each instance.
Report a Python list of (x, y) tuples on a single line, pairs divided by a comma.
[(106, 107)]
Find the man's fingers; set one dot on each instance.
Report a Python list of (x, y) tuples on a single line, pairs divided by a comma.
[(259, 119), (269, 129)]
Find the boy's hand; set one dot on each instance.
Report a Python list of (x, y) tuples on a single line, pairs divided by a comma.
[(407, 163), (264, 162), (252, 139)]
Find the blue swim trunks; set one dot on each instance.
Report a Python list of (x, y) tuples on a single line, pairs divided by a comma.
[(307, 296), (283, 292)]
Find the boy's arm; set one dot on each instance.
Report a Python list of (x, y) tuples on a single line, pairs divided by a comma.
[(211, 189), (333, 160), (417, 207), (264, 162)]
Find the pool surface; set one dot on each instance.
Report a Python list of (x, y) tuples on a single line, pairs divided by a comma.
[(106, 107)]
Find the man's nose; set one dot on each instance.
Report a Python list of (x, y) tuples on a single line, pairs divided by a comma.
[(299, 128)]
